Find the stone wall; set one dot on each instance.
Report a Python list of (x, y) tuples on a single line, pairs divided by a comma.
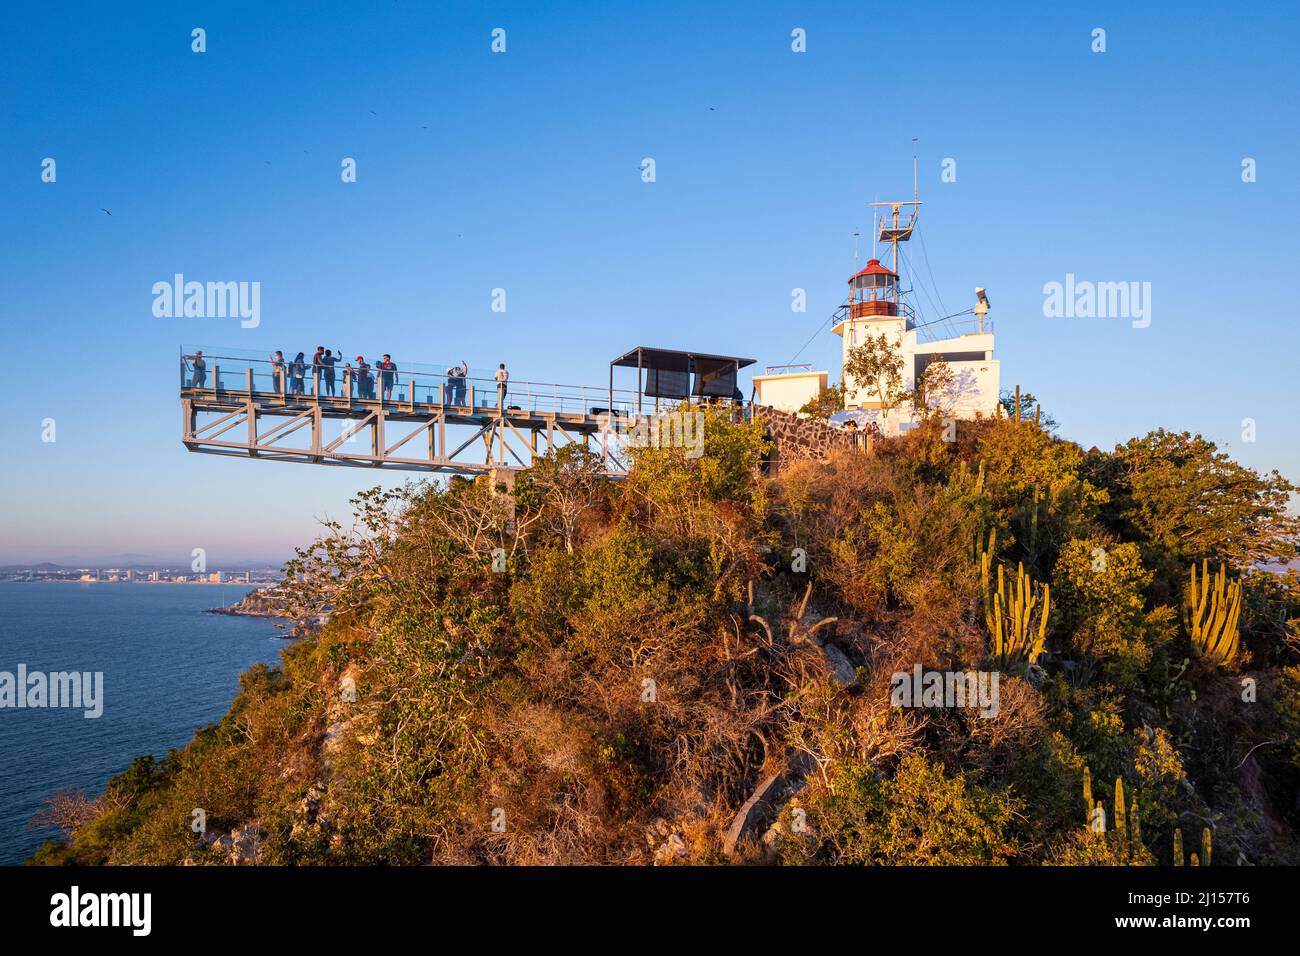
[(805, 439)]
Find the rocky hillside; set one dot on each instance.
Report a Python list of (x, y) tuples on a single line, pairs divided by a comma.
[(993, 650)]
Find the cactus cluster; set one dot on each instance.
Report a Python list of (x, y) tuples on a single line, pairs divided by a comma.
[(961, 478), (1206, 847), (1015, 415), (1038, 509), (1127, 828), (1212, 611), (1009, 609), (1127, 821)]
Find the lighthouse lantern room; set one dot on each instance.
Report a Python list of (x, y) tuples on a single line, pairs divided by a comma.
[(873, 291)]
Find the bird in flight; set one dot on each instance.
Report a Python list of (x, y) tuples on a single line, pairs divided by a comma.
[(105, 211)]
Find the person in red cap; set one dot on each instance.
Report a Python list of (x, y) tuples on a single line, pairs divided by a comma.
[(364, 382), (366, 378)]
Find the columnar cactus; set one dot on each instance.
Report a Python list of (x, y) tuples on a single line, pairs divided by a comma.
[(1178, 847), (1008, 610), (961, 480), (1121, 829), (1041, 503), (986, 562), (1212, 612), (1087, 796)]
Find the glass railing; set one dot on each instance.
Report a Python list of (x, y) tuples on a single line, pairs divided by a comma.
[(241, 372)]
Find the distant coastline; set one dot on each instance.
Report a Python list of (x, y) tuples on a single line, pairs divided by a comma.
[(210, 584)]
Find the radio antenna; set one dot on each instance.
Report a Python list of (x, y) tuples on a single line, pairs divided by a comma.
[(915, 192)]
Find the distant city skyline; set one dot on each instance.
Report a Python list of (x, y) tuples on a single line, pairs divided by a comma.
[(139, 562), (1040, 162)]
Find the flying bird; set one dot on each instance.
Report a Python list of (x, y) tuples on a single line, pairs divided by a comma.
[(103, 210)]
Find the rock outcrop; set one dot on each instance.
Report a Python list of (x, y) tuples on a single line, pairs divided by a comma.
[(259, 602), (273, 602), (239, 847)]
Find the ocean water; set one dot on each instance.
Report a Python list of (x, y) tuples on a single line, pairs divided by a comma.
[(168, 669)]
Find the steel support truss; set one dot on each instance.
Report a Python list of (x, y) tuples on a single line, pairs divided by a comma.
[(408, 437)]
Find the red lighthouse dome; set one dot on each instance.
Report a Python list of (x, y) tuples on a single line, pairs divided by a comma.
[(873, 291)]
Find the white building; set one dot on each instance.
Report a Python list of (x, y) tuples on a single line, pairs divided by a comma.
[(876, 306), (789, 387)]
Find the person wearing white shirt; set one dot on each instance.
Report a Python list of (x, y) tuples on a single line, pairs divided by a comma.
[(502, 377)]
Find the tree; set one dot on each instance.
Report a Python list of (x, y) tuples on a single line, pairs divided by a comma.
[(827, 403), (877, 367), (932, 384), (562, 486), (1189, 500), (1099, 586)]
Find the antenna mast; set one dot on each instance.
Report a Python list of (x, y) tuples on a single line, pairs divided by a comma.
[(897, 229), (915, 193)]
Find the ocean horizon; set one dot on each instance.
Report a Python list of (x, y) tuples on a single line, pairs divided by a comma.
[(168, 669)]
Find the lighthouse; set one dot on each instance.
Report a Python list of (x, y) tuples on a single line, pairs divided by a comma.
[(874, 307), (877, 304)]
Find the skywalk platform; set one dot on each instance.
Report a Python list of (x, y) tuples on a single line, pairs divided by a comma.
[(424, 421)]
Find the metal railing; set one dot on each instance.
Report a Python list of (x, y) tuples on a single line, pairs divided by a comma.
[(936, 329), (929, 330), (222, 372)]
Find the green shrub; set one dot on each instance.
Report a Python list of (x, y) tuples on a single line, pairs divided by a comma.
[(921, 816)]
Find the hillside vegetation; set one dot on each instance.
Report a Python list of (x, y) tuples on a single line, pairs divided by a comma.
[(585, 671)]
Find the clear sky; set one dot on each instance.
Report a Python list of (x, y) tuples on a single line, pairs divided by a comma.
[(522, 171)]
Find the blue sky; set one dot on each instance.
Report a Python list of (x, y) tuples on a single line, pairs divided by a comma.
[(522, 171)]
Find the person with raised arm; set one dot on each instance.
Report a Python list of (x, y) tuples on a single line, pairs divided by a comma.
[(277, 372), (200, 368)]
